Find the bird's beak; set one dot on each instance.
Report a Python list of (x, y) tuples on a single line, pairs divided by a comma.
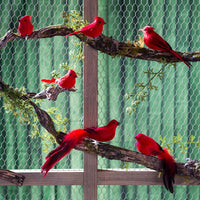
[(118, 123), (105, 23)]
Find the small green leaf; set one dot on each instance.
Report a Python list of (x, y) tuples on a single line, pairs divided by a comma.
[(191, 138)]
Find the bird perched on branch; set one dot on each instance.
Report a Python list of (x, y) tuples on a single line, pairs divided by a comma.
[(104, 133), (91, 30), (66, 82), (156, 42), (149, 146), (70, 140), (25, 27)]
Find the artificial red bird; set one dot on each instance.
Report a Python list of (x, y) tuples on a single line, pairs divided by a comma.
[(104, 133), (156, 42), (92, 30), (69, 142), (25, 27), (149, 146), (66, 82)]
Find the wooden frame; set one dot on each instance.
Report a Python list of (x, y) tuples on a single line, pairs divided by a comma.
[(90, 104), (104, 177)]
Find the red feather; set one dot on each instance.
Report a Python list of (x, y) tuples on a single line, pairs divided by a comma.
[(25, 26), (49, 80), (69, 142), (104, 133), (66, 82), (169, 169), (149, 146), (156, 42), (91, 30)]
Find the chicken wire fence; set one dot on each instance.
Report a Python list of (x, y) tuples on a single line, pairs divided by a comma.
[(170, 110)]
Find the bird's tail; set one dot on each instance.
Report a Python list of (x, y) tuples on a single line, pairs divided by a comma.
[(169, 169), (181, 58), (49, 80), (69, 142), (72, 33)]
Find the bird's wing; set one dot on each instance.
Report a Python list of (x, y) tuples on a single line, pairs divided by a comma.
[(156, 151), (90, 130), (87, 27), (160, 42)]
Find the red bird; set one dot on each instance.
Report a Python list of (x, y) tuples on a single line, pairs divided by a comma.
[(69, 142), (149, 146), (66, 82), (91, 30), (156, 42), (104, 133), (25, 26)]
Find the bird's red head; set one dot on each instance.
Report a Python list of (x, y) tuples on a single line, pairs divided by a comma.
[(72, 73), (99, 20), (113, 123), (147, 29), (25, 19), (140, 136)]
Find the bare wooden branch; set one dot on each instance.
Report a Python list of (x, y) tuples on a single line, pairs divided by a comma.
[(193, 167), (12, 177), (116, 153), (105, 44), (51, 93), (46, 121)]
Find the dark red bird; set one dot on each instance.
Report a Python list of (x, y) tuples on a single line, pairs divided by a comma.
[(66, 82), (91, 30), (156, 42), (104, 133), (149, 146), (25, 27), (69, 142)]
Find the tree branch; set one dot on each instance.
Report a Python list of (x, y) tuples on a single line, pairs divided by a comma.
[(51, 93), (109, 151), (114, 152), (105, 44), (12, 177)]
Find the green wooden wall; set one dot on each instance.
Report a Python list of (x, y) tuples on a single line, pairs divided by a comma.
[(172, 109)]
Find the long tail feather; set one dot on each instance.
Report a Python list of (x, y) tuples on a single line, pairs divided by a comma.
[(181, 58), (72, 33), (57, 149), (54, 158), (49, 80), (69, 142), (169, 169)]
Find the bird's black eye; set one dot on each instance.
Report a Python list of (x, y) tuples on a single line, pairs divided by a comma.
[(99, 22), (25, 20)]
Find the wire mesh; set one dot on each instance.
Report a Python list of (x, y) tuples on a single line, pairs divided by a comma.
[(171, 110), (23, 64)]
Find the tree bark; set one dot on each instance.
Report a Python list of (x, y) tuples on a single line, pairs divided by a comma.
[(105, 44), (12, 177)]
